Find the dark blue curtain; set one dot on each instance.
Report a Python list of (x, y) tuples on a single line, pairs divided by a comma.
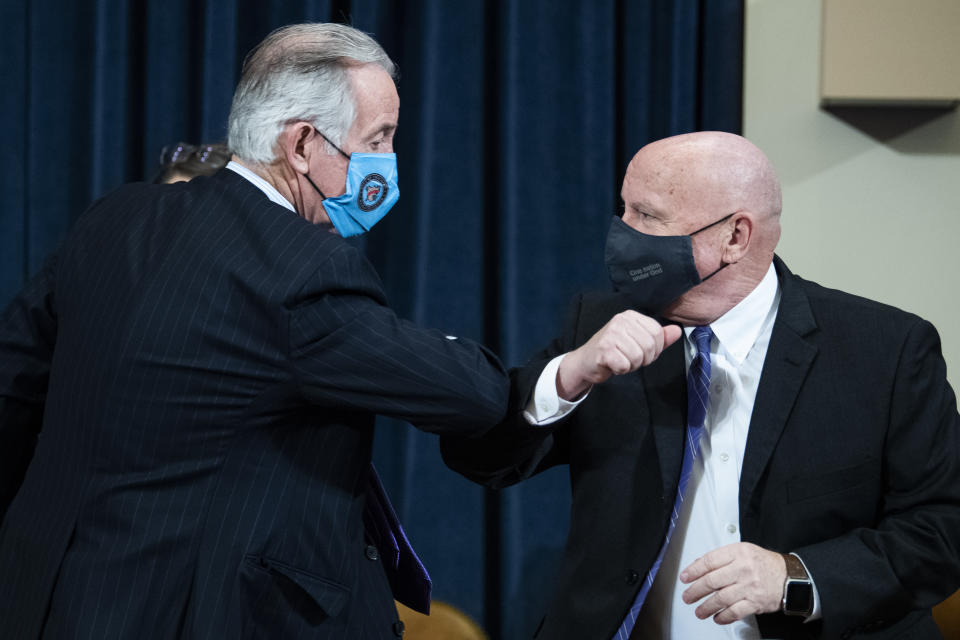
[(518, 118)]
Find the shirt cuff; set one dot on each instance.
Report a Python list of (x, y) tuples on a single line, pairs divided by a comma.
[(546, 406), (816, 596)]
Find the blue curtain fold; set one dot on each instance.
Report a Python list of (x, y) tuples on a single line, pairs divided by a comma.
[(517, 121)]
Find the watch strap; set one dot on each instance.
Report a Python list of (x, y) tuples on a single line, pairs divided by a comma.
[(798, 598), (795, 568)]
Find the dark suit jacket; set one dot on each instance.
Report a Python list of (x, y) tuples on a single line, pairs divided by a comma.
[(207, 366), (852, 461)]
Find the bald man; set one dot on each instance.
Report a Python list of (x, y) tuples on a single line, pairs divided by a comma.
[(751, 455)]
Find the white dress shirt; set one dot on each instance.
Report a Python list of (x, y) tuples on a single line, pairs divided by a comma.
[(711, 514)]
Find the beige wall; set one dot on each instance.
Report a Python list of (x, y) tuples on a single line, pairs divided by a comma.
[(871, 196)]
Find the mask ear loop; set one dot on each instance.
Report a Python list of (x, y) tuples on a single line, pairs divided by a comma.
[(307, 176), (718, 269), (712, 224), (339, 150), (724, 265)]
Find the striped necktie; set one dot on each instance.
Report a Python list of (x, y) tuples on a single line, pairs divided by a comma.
[(698, 396)]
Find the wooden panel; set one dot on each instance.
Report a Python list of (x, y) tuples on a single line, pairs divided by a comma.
[(947, 615), (893, 52)]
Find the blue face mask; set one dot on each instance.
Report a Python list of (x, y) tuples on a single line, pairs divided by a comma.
[(372, 190)]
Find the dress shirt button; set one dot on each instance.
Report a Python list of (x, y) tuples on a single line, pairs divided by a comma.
[(543, 407), (731, 528), (724, 456), (371, 552), (632, 576), (398, 628)]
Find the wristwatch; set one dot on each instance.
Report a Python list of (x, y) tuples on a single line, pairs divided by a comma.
[(797, 588)]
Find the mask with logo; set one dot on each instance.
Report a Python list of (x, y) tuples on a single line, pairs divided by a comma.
[(372, 190), (652, 271)]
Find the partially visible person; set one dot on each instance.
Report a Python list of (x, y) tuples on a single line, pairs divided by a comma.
[(780, 460), (182, 161), (199, 369)]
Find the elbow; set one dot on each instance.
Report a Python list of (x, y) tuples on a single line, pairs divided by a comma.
[(459, 455), (490, 408)]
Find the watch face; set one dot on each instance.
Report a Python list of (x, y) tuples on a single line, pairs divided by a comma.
[(799, 597)]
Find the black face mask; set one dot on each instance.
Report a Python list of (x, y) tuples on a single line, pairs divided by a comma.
[(652, 271)]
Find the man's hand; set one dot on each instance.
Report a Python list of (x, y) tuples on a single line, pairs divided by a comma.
[(741, 579), (629, 341)]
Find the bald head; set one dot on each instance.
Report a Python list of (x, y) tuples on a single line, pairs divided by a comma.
[(710, 170), (679, 185)]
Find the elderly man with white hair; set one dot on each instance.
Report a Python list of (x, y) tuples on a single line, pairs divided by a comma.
[(188, 389)]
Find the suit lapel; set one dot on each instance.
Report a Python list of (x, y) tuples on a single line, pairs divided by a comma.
[(665, 384), (788, 360)]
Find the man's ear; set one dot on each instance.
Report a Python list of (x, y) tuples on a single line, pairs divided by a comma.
[(293, 145), (738, 242)]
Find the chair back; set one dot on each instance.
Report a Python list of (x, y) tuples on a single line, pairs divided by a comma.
[(445, 622)]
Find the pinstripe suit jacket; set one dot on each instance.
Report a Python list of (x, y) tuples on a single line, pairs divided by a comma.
[(206, 367)]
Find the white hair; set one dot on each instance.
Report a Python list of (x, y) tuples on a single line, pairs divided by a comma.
[(298, 73)]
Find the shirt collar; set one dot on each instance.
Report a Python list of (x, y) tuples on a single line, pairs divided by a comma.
[(268, 189), (738, 329)]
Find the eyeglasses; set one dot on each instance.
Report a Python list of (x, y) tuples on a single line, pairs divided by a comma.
[(182, 152)]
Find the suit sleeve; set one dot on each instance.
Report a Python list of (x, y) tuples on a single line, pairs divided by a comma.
[(28, 330), (911, 560), (349, 351), (514, 450)]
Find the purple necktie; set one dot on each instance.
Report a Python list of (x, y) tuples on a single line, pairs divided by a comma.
[(408, 578), (698, 390)]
